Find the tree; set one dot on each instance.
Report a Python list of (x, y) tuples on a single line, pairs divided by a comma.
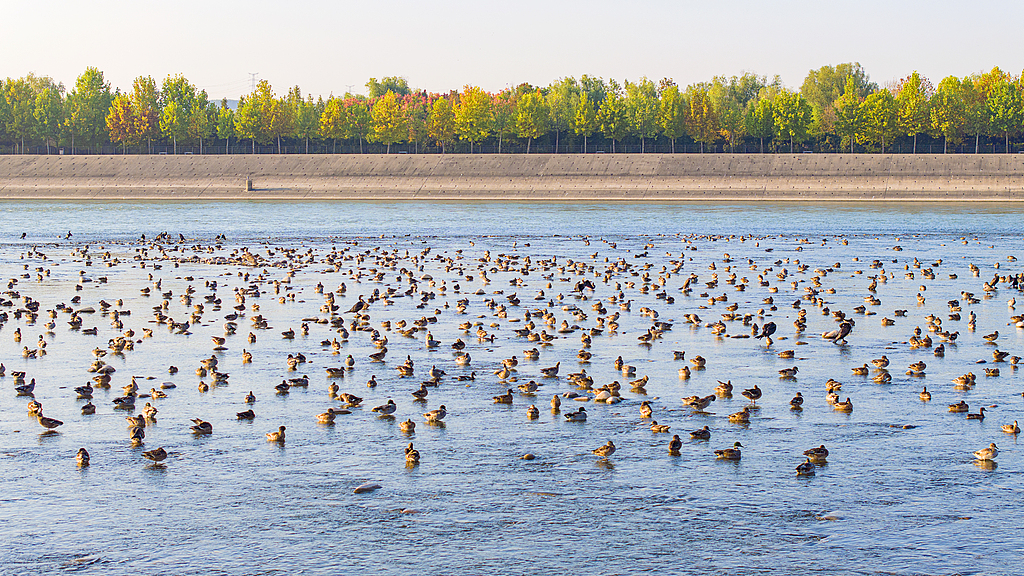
[(825, 85), (672, 117), (792, 117), (395, 84), (441, 125), (473, 115), (202, 121), (121, 121), (389, 123), (503, 114), (252, 120), (333, 122), (49, 115), (174, 123), (1006, 109), (948, 111), (976, 114), (282, 120), (849, 123), (584, 122), (358, 120), (146, 104), (912, 99), (613, 118), (702, 123), (225, 124), (731, 125), (21, 104), (417, 114), (562, 97), (87, 106), (760, 119), (532, 117), (180, 105), (642, 109), (880, 115)]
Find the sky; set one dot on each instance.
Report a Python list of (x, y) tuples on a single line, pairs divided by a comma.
[(333, 46)]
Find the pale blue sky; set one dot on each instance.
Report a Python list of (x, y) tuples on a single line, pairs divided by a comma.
[(328, 46)]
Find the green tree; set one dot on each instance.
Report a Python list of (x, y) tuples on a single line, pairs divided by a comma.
[(912, 99), (307, 118), (1006, 109), (333, 122), (174, 123), (358, 121), (121, 121), (146, 105), (760, 119), (49, 115), (473, 115), (282, 120), (584, 122), (394, 84), (225, 124), (948, 111), (202, 121), (672, 117), (880, 114), (417, 113), (389, 122), (21, 105), (642, 109), (825, 85), (252, 120), (442, 122), (562, 97), (532, 117), (731, 121), (87, 107), (976, 113), (180, 102), (849, 124), (702, 124), (613, 118), (503, 114), (792, 117)]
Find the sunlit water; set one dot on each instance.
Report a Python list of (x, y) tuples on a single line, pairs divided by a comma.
[(890, 501)]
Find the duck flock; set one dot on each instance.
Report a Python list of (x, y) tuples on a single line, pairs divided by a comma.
[(377, 328)]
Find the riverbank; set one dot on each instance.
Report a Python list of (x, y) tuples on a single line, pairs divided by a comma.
[(518, 177)]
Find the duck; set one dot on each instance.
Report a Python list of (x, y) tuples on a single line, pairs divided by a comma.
[(724, 389), (136, 434), (82, 457), (247, 415), (386, 409), (741, 417), (645, 409), (154, 393), (989, 453), (806, 468), (277, 436), (327, 417), (702, 434), (89, 408), (730, 453), (158, 455), (201, 426), (436, 415), (845, 406), (532, 412), (412, 456), (407, 426), (250, 398), (556, 404), (674, 445), (980, 415), (861, 370), (797, 403), (659, 428), (753, 394), (605, 451), (881, 362), (788, 372), (552, 371), (505, 398), (960, 406), (48, 423), (577, 416), (1011, 428), (925, 395), (818, 454), (421, 394)]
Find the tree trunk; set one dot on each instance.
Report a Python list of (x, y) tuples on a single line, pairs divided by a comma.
[(915, 142), (360, 145), (528, 142), (389, 148), (584, 143), (253, 145), (944, 145), (673, 145), (641, 144), (72, 142), (1007, 141), (791, 144), (174, 139), (883, 143), (762, 145), (977, 139), (279, 144), (556, 142), (334, 147), (307, 144)]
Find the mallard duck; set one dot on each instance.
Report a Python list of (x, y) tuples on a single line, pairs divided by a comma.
[(724, 389), (645, 409), (436, 415), (729, 453), (861, 370), (556, 403), (788, 372), (960, 406), (987, 453), (659, 428), (250, 398), (702, 434), (386, 409), (606, 450), (741, 417), (577, 416), (532, 412), (980, 415), (158, 455), (48, 423), (277, 436), (552, 371), (819, 453), (247, 415), (797, 403), (806, 468), (674, 445), (412, 456), (845, 406), (201, 426), (700, 404), (82, 458), (991, 337), (420, 394), (505, 398), (752, 394), (136, 434), (1011, 428), (787, 354), (407, 426), (881, 362), (327, 417), (350, 399), (89, 408), (925, 395)]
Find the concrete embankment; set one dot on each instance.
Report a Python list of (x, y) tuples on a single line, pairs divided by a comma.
[(569, 177)]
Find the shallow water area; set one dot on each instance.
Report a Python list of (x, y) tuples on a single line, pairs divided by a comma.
[(900, 494)]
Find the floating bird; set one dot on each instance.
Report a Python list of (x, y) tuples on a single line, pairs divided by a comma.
[(277, 436), (436, 415), (702, 434), (386, 409), (730, 453), (82, 458), (158, 455), (989, 453), (606, 450)]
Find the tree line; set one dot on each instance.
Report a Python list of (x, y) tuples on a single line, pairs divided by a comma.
[(836, 109)]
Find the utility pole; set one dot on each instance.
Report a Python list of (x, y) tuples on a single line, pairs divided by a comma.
[(252, 80)]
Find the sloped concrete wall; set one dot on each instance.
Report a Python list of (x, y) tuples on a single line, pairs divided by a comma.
[(568, 177)]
